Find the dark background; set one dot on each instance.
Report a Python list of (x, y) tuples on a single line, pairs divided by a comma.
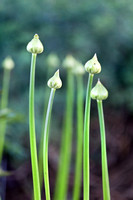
[(81, 28)]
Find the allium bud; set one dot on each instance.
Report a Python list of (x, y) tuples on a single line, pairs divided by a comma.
[(93, 66), (78, 69), (99, 92), (8, 63), (53, 60), (55, 82), (35, 46), (69, 62)]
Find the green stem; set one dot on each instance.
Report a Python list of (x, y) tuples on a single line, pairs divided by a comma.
[(34, 161), (4, 103), (86, 167), (40, 162), (66, 145), (45, 144), (105, 175), (78, 166)]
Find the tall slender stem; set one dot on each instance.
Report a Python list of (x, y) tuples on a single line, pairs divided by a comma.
[(40, 162), (86, 167), (105, 175), (66, 145), (35, 172), (4, 103), (45, 144), (78, 166)]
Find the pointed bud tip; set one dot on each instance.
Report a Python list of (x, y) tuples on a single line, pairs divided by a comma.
[(36, 36), (99, 80), (95, 56), (57, 72)]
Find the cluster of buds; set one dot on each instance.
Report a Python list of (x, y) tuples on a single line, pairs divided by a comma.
[(92, 66), (74, 65), (36, 47)]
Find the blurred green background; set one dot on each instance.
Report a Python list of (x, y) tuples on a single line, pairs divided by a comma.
[(81, 28)]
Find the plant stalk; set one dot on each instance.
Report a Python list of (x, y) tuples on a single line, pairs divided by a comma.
[(4, 104), (34, 160), (105, 175), (45, 144), (66, 144), (40, 162), (86, 166), (78, 166)]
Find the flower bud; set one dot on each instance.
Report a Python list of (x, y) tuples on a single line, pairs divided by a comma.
[(69, 62), (53, 60), (93, 66), (55, 82), (99, 92), (35, 46), (8, 63), (78, 69)]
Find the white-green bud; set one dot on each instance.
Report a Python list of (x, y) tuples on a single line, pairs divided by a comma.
[(35, 46), (52, 60), (78, 69), (8, 63), (99, 92), (69, 62), (55, 81), (93, 66)]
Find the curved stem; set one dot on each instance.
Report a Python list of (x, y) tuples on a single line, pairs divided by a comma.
[(78, 166), (34, 161), (4, 103), (86, 167), (40, 162), (105, 175), (45, 144), (66, 144)]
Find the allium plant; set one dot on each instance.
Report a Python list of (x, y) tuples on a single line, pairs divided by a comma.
[(99, 93), (54, 83), (35, 47), (8, 65), (92, 67), (52, 62)]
